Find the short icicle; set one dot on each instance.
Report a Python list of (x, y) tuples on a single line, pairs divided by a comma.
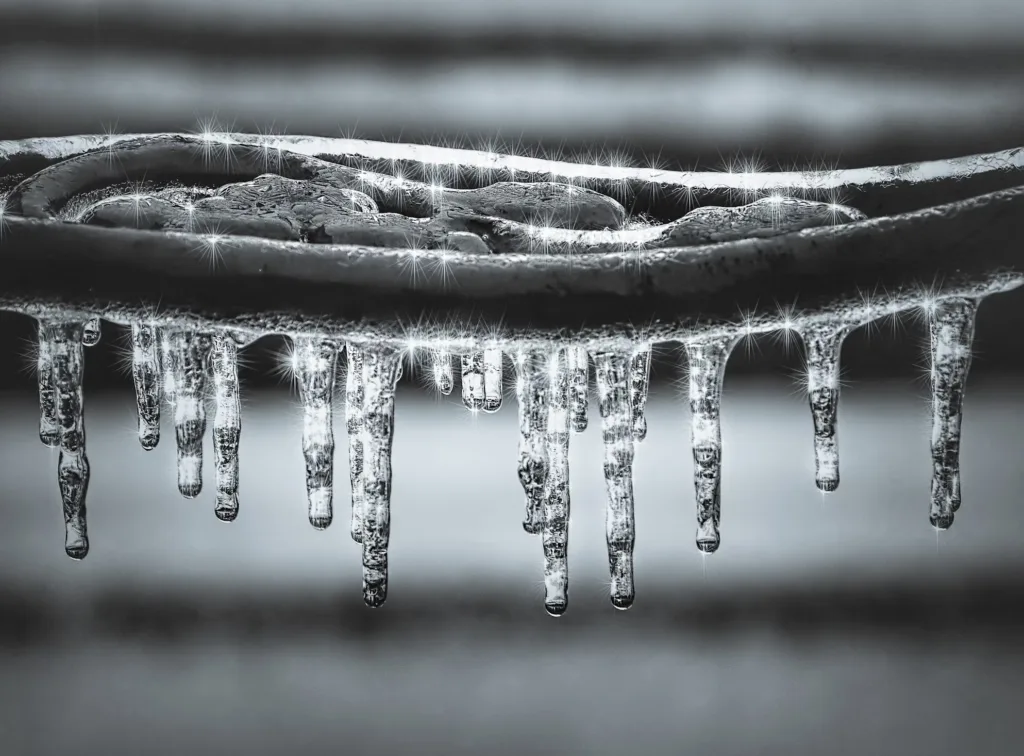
[(473, 381), (49, 430), (555, 528), (355, 390), (823, 345), (492, 380), (579, 387), (383, 368), (315, 362), (72, 464), (707, 360), (613, 391), (185, 355), (532, 383), (952, 335), (227, 423), (444, 378), (146, 375), (91, 332), (639, 385)]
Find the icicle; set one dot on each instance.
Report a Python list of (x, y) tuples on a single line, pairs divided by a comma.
[(72, 464), (823, 345), (315, 364), (354, 397), (146, 374), (227, 424), (579, 386), (532, 379), (952, 333), (613, 390), (383, 367), (49, 431), (707, 361), (443, 377), (185, 356), (492, 380), (639, 382), (473, 380), (555, 532), (91, 332)]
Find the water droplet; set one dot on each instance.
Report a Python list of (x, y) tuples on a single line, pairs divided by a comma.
[(707, 360), (227, 424), (383, 368), (146, 375), (613, 391), (952, 335), (315, 364)]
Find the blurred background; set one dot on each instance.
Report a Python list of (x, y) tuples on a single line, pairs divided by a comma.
[(840, 624)]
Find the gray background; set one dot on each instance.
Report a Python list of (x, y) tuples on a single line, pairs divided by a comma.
[(839, 624)]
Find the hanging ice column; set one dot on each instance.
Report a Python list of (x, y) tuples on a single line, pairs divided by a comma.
[(146, 374), (227, 423), (613, 391), (532, 383), (555, 512), (185, 356), (579, 387), (64, 341), (823, 345), (314, 361), (49, 430), (482, 380), (442, 367), (382, 368), (355, 388), (952, 333), (639, 385), (707, 359), (91, 332)]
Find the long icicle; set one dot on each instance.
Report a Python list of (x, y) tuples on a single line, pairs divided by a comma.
[(72, 464), (952, 334), (227, 423), (707, 360), (315, 362), (185, 355), (355, 391), (579, 387), (383, 368), (823, 345), (532, 383), (639, 385), (555, 532), (146, 375), (613, 391), (49, 430)]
